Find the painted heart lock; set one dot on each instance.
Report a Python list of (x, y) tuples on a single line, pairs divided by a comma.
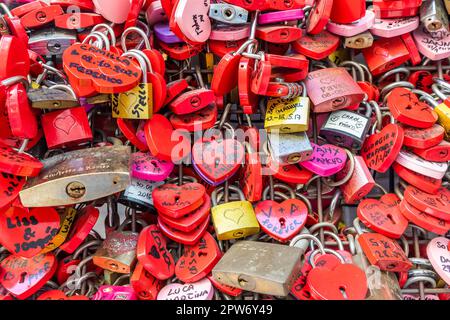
[(389, 28), (424, 220), (434, 49), (176, 201), (282, 221), (326, 160), (25, 232), (146, 167), (438, 251), (421, 182), (406, 108), (436, 170), (10, 186), (423, 138), (381, 217), (22, 277), (380, 150), (437, 205), (192, 19), (192, 220), (186, 238), (317, 46), (291, 173), (201, 290), (152, 253), (92, 70), (198, 260), (197, 121), (115, 11), (217, 161), (344, 282)]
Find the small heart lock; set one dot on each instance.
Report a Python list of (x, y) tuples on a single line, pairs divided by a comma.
[(201, 290), (146, 167), (438, 251), (326, 160)]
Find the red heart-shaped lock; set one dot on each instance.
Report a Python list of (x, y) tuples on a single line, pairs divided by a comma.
[(144, 284), (423, 138), (424, 220), (225, 76), (317, 46), (129, 131), (186, 238), (345, 282), (406, 108), (176, 201), (436, 205), (217, 160), (92, 70), (25, 233), (282, 221), (10, 186), (228, 290), (198, 260), (22, 120), (248, 100), (23, 277), (424, 183), (319, 16), (290, 173), (380, 150), (162, 142), (198, 121), (15, 60), (152, 253), (190, 221), (381, 217), (251, 178)]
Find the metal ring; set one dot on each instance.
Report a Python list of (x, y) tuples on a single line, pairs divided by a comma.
[(347, 177), (123, 40)]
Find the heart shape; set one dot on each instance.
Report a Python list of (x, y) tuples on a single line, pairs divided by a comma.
[(381, 149), (146, 167), (192, 19), (394, 27), (345, 282), (22, 277), (176, 201), (436, 205), (198, 260), (318, 46), (423, 138), (234, 215), (434, 49), (326, 160), (186, 238), (10, 186), (65, 124), (406, 108), (196, 121), (129, 99), (152, 253), (201, 290), (438, 251), (84, 64), (115, 11), (26, 233), (216, 161), (282, 221), (383, 217)]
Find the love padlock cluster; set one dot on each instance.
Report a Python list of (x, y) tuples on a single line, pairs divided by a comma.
[(226, 150)]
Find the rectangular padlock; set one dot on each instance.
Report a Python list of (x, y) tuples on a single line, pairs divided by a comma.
[(290, 148), (45, 98), (332, 89), (287, 115), (227, 13), (360, 41), (52, 42), (79, 176), (433, 16), (260, 267), (346, 129), (361, 181)]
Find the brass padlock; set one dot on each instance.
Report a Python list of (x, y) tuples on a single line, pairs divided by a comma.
[(442, 109), (79, 176), (55, 97), (360, 41), (260, 267), (234, 219), (288, 115), (290, 148)]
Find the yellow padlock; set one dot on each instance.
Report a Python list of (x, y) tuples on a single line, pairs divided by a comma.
[(443, 109), (235, 219), (443, 112), (339, 56), (209, 59), (59, 239), (138, 102), (288, 115)]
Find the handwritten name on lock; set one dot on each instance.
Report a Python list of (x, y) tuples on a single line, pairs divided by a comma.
[(351, 123)]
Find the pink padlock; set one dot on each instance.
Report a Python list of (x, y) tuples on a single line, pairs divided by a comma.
[(350, 30), (438, 252), (155, 13), (115, 293), (434, 49), (415, 163), (115, 11), (389, 28), (191, 16), (201, 290), (280, 16), (146, 167), (326, 160), (230, 33)]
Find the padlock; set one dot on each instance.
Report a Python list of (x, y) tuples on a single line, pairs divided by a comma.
[(227, 13), (350, 30), (433, 16), (260, 267), (280, 16), (144, 284), (288, 115), (52, 98), (138, 194), (41, 16), (66, 128), (443, 109), (289, 148), (436, 170), (424, 183), (78, 20), (113, 293), (332, 89), (319, 16), (232, 220), (347, 129), (396, 8), (326, 160), (51, 42), (434, 49), (200, 290), (318, 46), (347, 12), (382, 251), (164, 34), (390, 28), (100, 172), (360, 41)]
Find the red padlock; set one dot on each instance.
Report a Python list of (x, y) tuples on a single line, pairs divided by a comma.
[(347, 11)]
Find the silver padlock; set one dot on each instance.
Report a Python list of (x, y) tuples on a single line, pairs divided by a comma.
[(138, 195), (434, 17), (52, 42), (290, 148), (228, 13)]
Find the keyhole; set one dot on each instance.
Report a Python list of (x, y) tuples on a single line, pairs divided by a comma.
[(288, 3), (282, 222), (408, 107), (22, 277), (114, 266), (154, 163), (216, 162), (202, 254), (344, 294), (284, 34), (391, 218), (228, 13), (177, 198), (41, 16)]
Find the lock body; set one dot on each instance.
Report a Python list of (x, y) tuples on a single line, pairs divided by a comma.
[(287, 115), (360, 183), (289, 148), (259, 267), (52, 42)]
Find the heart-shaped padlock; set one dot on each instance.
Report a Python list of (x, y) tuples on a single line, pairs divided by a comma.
[(176, 201), (10, 186), (438, 251), (423, 138), (326, 160), (186, 238), (201, 290), (146, 167), (424, 220), (228, 290), (437, 205)]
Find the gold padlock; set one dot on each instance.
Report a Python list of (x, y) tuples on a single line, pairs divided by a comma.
[(443, 109), (288, 115), (235, 219)]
